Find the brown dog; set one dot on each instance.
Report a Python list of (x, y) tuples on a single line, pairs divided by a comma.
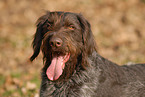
[(73, 68)]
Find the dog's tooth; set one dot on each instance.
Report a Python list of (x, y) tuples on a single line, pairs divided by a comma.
[(62, 66), (65, 56)]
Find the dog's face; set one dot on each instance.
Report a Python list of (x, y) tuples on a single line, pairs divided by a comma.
[(65, 39)]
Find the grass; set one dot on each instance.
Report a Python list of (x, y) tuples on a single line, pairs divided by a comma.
[(2, 80), (17, 91)]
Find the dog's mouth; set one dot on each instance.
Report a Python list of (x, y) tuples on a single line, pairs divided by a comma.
[(55, 70)]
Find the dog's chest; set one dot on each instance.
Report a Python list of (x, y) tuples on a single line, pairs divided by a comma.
[(75, 90)]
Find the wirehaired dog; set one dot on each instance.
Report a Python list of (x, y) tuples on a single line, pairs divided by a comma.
[(72, 66)]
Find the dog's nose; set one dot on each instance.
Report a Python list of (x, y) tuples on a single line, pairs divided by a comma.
[(55, 42)]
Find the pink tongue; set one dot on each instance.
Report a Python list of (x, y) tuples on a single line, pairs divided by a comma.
[(55, 69)]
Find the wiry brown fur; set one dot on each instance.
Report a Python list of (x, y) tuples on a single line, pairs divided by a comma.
[(44, 28), (86, 73)]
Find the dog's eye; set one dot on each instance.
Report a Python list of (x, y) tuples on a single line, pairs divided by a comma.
[(49, 25), (71, 27)]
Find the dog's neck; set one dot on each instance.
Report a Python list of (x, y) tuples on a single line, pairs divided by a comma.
[(79, 77)]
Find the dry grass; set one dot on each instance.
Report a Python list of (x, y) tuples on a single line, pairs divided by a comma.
[(118, 26)]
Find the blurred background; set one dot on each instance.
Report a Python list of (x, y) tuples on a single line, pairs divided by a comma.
[(118, 27)]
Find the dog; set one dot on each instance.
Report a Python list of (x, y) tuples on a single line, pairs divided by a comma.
[(72, 65)]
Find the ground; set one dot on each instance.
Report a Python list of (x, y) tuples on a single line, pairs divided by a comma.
[(118, 27)]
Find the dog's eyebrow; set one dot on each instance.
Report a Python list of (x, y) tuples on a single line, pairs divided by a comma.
[(71, 20)]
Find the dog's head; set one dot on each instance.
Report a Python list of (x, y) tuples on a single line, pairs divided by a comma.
[(66, 41)]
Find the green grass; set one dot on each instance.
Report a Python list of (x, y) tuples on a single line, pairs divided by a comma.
[(36, 80), (10, 92), (29, 93), (7, 93), (2, 80), (16, 74)]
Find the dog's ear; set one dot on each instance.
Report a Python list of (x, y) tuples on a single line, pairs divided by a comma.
[(87, 35), (37, 41), (87, 39)]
